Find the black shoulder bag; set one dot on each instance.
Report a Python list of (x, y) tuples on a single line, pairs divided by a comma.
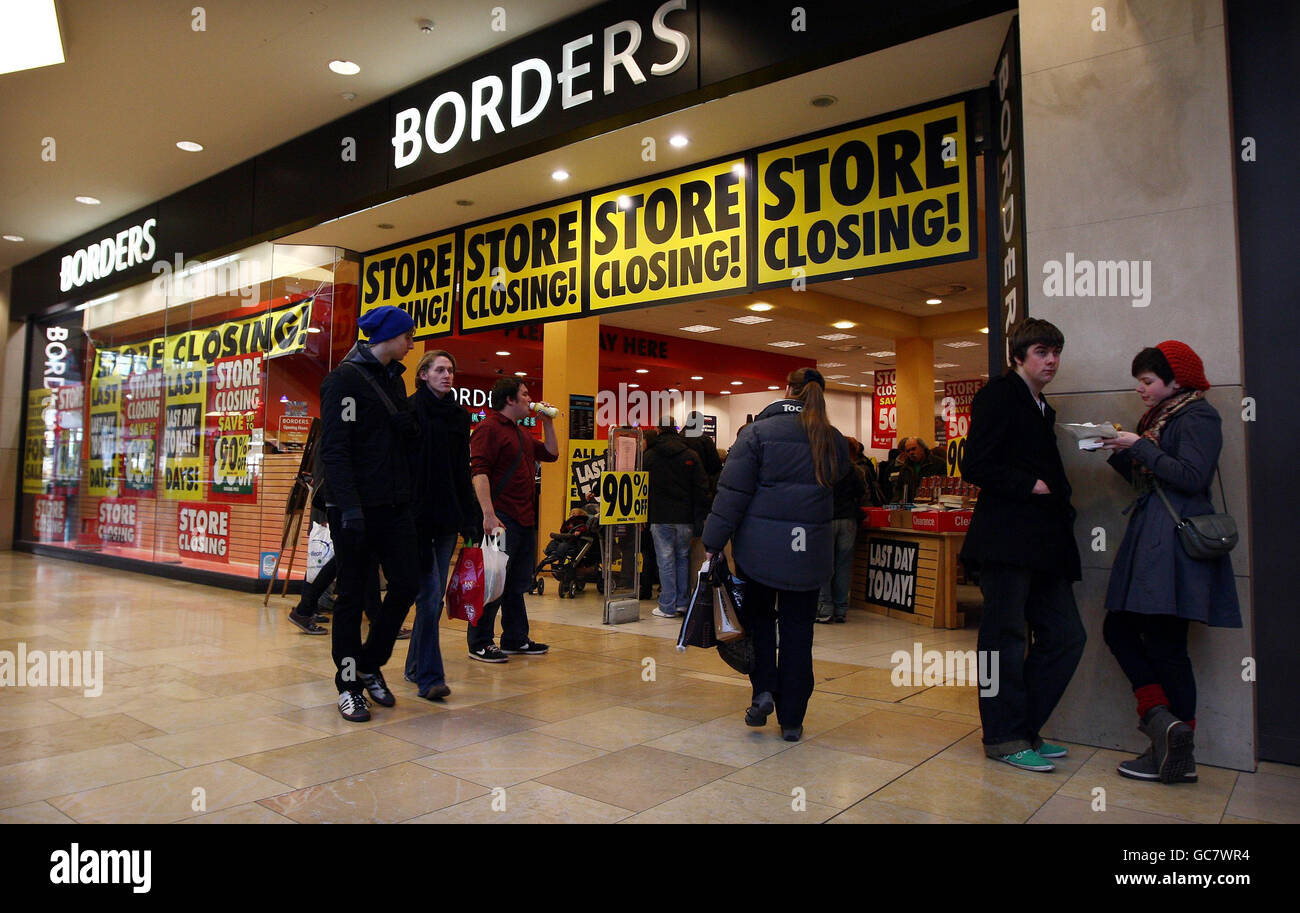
[(1208, 536)]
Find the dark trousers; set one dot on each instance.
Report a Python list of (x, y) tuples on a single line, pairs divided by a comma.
[(389, 542), (521, 547), (788, 676), (313, 591), (1152, 650), (1030, 681)]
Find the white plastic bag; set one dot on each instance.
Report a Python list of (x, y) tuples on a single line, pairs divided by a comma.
[(320, 550), (494, 566)]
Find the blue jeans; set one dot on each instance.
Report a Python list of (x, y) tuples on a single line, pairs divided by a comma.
[(423, 658), (835, 592), (673, 555)]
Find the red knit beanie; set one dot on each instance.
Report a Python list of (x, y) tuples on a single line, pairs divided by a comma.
[(1186, 364)]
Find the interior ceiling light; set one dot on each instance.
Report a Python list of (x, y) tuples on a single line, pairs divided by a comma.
[(831, 364), (634, 386), (677, 141), (559, 174), (836, 337), (760, 306), (348, 96), (822, 101), (696, 377), (314, 330), (14, 238), (643, 370), (960, 345), (881, 354), (944, 364), (386, 226), (503, 352), (464, 202), (737, 383), (30, 37), (344, 67), (725, 392), (750, 319), (844, 324), (934, 301), (785, 344), (89, 201), (836, 376), (521, 374), (189, 146), (698, 328), (984, 330)]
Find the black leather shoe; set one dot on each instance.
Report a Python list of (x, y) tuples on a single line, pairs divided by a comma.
[(792, 733), (760, 709)]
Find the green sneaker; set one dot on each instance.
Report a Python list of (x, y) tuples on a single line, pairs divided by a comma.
[(1048, 750), (1027, 760)]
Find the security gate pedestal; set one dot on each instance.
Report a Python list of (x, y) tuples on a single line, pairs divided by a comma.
[(622, 541)]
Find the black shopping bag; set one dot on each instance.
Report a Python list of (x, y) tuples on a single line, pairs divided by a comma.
[(737, 650), (697, 626)]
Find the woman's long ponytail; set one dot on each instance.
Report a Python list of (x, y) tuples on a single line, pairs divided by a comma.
[(821, 436)]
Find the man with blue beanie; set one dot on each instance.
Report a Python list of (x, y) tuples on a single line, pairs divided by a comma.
[(367, 441)]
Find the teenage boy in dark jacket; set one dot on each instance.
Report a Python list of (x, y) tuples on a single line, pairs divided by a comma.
[(1022, 542), (679, 502), (445, 506), (367, 435)]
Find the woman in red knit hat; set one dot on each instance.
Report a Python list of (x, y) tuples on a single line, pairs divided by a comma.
[(1155, 587)]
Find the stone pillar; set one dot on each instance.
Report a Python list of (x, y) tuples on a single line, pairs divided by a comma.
[(914, 360), (570, 363), (1128, 157)]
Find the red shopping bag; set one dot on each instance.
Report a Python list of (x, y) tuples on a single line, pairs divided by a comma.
[(465, 589)]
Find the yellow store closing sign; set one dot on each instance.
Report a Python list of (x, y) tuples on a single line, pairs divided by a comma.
[(883, 195), (671, 238), (419, 278), (523, 269), (624, 497), (38, 441)]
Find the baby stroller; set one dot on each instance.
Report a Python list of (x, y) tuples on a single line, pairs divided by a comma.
[(573, 556)]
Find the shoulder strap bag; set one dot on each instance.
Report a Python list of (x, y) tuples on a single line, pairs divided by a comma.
[(514, 466), (1208, 536), (383, 397)]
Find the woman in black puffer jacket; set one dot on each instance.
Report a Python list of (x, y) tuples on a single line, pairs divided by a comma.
[(774, 503)]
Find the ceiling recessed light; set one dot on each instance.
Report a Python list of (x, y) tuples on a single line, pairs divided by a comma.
[(698, 328), (836, 376), (760, 306), (559, 174), (14, 238), (984, 330), (773, 387), (344, 67), (737, 383), (677, 141), (643, 370), (831, 364), (521, 374), (634, 386), (464, 202), (934, 301), (822, 101), (844, 324), (785, 344), (848, 278), (750, 319), (89, 201), (314, 330), (189, 146), (960, 345), (348, 96), (836, 337), (944, 364), (386, 226), (725, 392), (881, 354), (696, 377), (503, 352)]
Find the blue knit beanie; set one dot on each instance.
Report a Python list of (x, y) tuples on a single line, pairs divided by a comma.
[(384, 323)]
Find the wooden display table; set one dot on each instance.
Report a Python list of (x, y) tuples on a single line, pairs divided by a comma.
[(923, 574)]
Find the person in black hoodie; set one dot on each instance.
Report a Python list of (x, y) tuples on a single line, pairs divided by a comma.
[(367, 436), (775, 504), (1021, 540), (678, 505), (444, 507)]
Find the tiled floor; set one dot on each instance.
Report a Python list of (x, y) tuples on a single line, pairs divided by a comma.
[(215, 709)]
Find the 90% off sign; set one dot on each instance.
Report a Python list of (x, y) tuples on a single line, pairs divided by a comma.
[(624, 497)]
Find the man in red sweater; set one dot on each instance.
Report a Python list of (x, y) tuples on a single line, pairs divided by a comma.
[(501, 461)]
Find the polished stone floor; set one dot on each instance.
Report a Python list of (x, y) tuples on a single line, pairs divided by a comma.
[(216, 709)]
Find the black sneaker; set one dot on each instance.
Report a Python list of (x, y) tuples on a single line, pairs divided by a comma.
[(320, 618), (306, 625), (489, 654), (377, 688), (353, 707), (528, 648), (760, 709)]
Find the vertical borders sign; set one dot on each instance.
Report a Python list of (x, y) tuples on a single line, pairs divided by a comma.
[(1008, 117)]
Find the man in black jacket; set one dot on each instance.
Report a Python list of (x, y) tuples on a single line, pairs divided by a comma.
[(1022, 542), (368, 433), (678, 506), (445, 506)]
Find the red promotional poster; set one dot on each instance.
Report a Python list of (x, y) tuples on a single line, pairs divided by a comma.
[(955, 407), (142, 409), (51, 518), (203, 532), (118, 522), (235, 410), (885, 411)]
